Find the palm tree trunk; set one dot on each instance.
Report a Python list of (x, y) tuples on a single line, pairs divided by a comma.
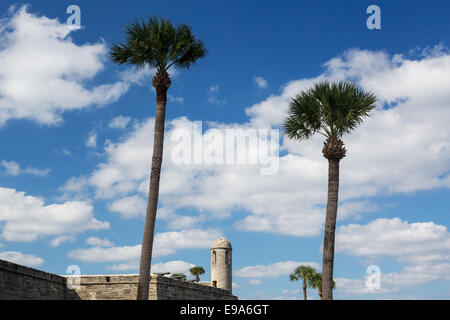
[(152, 205), (330, 229), (304, 290), (320, 294)]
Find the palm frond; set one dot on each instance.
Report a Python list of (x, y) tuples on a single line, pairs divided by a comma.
[(331, 109), (305, 273), (196, 271), (157, 43)]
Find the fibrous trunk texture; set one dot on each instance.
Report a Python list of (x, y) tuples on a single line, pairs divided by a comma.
[(334, 151), (161, 83), (304, 290)]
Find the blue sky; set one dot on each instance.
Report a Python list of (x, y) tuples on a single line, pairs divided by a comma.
[(76, 140)]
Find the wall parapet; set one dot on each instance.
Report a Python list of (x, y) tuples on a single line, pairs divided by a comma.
[(18, 282), (124, 287)]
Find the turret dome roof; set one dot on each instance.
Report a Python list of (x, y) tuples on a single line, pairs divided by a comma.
[(221, 243)]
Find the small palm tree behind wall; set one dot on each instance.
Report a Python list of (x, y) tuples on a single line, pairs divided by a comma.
[(156, 43), (197, 272), (306, 275), (179, 276), (332, 110), (317, 284)]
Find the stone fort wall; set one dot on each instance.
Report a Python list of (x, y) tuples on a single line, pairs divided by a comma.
[(124, 287), (23, 283)]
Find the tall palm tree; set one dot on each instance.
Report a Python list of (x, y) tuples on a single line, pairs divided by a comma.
[(317, 284), (306, 274), (156, 43), (332, 110), (197, 271)]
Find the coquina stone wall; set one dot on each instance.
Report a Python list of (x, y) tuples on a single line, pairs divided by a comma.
[(19, 282), (22, 283), (170, 289), (124, 287)]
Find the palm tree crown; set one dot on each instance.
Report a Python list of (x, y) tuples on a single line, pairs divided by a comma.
[(159, 44), (180, 276), (197, 271), (330, 109), (306, 274), (303, 273)]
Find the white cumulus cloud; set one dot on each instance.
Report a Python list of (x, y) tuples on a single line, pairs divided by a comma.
[(422, 247), (272, 270), (94, 241), (129, 207), (260, 82), (119, 122), (176, 266), (12, 168), (400, 149), (393, 237), (165, 244), (254, 282), (91, 142), (44, 73), (25, 218), (28, 260)]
